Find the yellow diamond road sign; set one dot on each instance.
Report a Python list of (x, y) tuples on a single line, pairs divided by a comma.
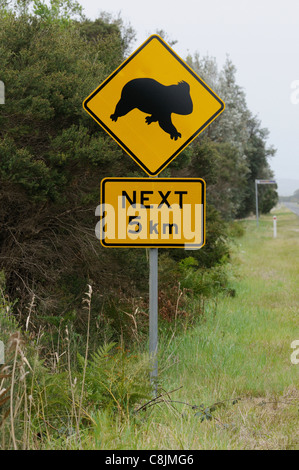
[(153, 105)]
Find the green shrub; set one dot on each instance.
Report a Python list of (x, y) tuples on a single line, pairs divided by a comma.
[(236, 229), (202, 282)]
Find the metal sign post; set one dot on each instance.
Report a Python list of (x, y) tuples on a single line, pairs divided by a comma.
[(153, 315), (256, 204)]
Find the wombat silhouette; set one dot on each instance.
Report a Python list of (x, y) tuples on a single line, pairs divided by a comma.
[(160, 101)]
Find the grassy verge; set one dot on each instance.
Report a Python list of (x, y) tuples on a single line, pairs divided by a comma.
[(239, 389), (227, 382)]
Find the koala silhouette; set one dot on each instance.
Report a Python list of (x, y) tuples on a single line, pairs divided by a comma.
[(160, 101)]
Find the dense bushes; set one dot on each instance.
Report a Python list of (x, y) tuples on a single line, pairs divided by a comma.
[(66, 361), (53, 157)]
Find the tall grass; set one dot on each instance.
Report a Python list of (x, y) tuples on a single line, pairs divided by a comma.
[(236, 387), (225, 376), (46, 404), (241, 347)]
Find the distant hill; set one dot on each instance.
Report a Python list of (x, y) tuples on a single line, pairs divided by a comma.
[(287, 187), (293, 198)]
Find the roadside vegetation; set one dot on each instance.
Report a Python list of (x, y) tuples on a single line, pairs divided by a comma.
[(226, 380), (74, 315), (53, 157)]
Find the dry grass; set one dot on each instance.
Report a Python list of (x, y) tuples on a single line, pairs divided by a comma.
[(268, 423)]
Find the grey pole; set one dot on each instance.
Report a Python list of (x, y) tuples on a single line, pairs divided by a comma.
[(153, 315), (256, 203)]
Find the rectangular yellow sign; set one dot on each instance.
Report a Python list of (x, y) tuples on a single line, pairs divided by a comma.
[(152, 212)]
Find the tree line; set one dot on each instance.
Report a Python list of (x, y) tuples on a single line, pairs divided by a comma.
[(53, 157)]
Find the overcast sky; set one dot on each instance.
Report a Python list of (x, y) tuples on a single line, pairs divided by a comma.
[(262, 40)]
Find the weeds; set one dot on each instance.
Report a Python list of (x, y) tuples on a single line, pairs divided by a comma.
[(73, 395), (41, 403)]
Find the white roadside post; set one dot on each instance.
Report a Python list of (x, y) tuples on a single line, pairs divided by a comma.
[(274, 226), (257, 182)]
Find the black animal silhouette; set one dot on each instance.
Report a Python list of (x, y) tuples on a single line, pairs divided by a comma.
[(160, 101)]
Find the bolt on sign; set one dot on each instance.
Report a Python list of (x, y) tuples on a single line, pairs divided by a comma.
[(153, 105), (152, 212)]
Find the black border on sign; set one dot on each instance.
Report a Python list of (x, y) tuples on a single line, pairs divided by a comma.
[(190, 246), (114, 136)]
